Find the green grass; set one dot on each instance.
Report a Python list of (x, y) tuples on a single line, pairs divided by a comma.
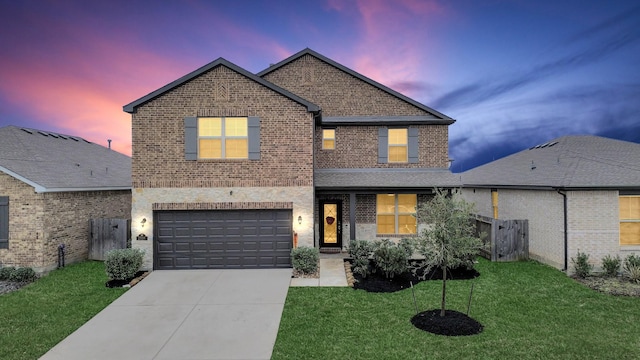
[(38, 316), (529, 311)]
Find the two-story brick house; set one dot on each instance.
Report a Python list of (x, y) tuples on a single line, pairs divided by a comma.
[(229, 166)]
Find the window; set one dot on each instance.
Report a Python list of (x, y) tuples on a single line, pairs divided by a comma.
[(328, 139), (4, 222), (396, 213), (223, 138), (629, 220), (398, 145)]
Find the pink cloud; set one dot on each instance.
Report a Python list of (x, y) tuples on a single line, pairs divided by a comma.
[(398, 44)]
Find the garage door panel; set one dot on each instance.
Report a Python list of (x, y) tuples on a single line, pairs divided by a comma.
[(222, 239)]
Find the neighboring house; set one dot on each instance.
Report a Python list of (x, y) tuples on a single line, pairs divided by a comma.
[(579, 193), (229, 166), (51, 185)]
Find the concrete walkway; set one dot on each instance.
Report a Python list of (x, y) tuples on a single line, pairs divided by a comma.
[(186, 314), (331, 272)]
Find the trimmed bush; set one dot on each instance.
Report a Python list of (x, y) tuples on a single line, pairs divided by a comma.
[(305, 259), (408, 245), (611, 265), (632, 268), (5, 272), (392, 259), (123, 264), (23, 274), (581, 265), (360, 251)]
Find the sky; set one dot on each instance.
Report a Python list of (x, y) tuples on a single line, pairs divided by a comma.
[(513, 73)]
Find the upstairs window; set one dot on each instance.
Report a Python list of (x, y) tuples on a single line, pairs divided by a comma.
[(398, 146), (223, 138), (328, 139), (395, 213), (629, 220)]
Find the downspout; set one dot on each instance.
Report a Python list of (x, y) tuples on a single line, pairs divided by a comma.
[(566, 235)]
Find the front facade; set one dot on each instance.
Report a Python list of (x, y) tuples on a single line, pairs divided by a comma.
[(51, 186), (230, 169), (579, 193)]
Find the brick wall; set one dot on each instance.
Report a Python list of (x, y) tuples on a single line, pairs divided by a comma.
[(357, 147), (594, 226), (543, 209), (286, 134), (67, 220), (25, 224), (337, 93), (38, 223)]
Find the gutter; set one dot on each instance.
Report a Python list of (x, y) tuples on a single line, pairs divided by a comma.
[(566, 235)]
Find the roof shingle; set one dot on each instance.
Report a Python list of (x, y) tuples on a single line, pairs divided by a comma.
[(56, 162)]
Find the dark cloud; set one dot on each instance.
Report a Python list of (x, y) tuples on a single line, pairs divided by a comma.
[(600, 41)]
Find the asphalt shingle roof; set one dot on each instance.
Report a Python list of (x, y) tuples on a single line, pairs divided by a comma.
[(583, 161), (360, 179), (56, 162)]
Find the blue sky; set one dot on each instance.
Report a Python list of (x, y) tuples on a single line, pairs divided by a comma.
[(512, 73)]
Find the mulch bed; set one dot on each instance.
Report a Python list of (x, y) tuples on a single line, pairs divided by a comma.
[(377, 282), (617, 286), (453, 323), (129, 282)]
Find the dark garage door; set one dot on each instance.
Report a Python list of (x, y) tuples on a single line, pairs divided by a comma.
[(215, 239)]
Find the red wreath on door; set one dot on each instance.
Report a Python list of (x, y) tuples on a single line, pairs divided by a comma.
[(330, 220)]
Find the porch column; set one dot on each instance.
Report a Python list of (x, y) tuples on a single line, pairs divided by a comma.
[(352, 216)]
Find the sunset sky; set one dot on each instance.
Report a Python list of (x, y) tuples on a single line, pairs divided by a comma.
[(513, 73)]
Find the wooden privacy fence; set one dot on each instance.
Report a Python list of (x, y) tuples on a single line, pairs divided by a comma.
[(108, 234), (504, 240)]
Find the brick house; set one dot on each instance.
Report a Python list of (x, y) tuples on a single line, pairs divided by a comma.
[(579, 193), (51, 185), (230, 166)]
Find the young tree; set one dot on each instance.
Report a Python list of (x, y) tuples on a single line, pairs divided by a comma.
[(449, 239)]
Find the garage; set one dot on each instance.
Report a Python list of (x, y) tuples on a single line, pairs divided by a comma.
[(222, 239)]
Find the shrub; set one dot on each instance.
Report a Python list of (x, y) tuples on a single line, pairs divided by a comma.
[(632, 268), (123, 264), (305, 259), (360, 251), (581, 265), (390, 258), (23, 274), (5, 272), (408, 245), (611, 265)]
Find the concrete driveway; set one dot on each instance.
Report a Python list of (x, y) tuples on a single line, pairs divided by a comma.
[(186, 314)]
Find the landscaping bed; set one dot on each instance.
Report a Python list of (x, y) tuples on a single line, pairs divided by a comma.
[(616, 286)]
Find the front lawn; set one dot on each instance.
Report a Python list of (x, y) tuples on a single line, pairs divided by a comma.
[(529, 311), (39, 315)]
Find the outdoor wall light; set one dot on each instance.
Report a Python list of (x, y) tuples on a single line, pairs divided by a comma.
[(299, 220), (144, 220)]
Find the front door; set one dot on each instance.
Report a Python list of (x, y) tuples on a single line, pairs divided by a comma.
[(331, 223)]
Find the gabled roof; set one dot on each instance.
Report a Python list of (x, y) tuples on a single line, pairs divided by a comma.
[(131, 108), (570, 162), (52, 162), (357, 75), (367, 179)]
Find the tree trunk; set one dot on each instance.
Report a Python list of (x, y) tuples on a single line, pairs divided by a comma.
[(444, 290)]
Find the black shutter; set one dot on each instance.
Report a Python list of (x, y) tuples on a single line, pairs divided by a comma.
[(383, 145), (191, 138), (253, 133), (4, 222), (413, 145)]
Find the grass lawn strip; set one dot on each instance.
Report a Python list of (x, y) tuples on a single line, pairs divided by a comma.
[(529, 311), (36, 317)]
